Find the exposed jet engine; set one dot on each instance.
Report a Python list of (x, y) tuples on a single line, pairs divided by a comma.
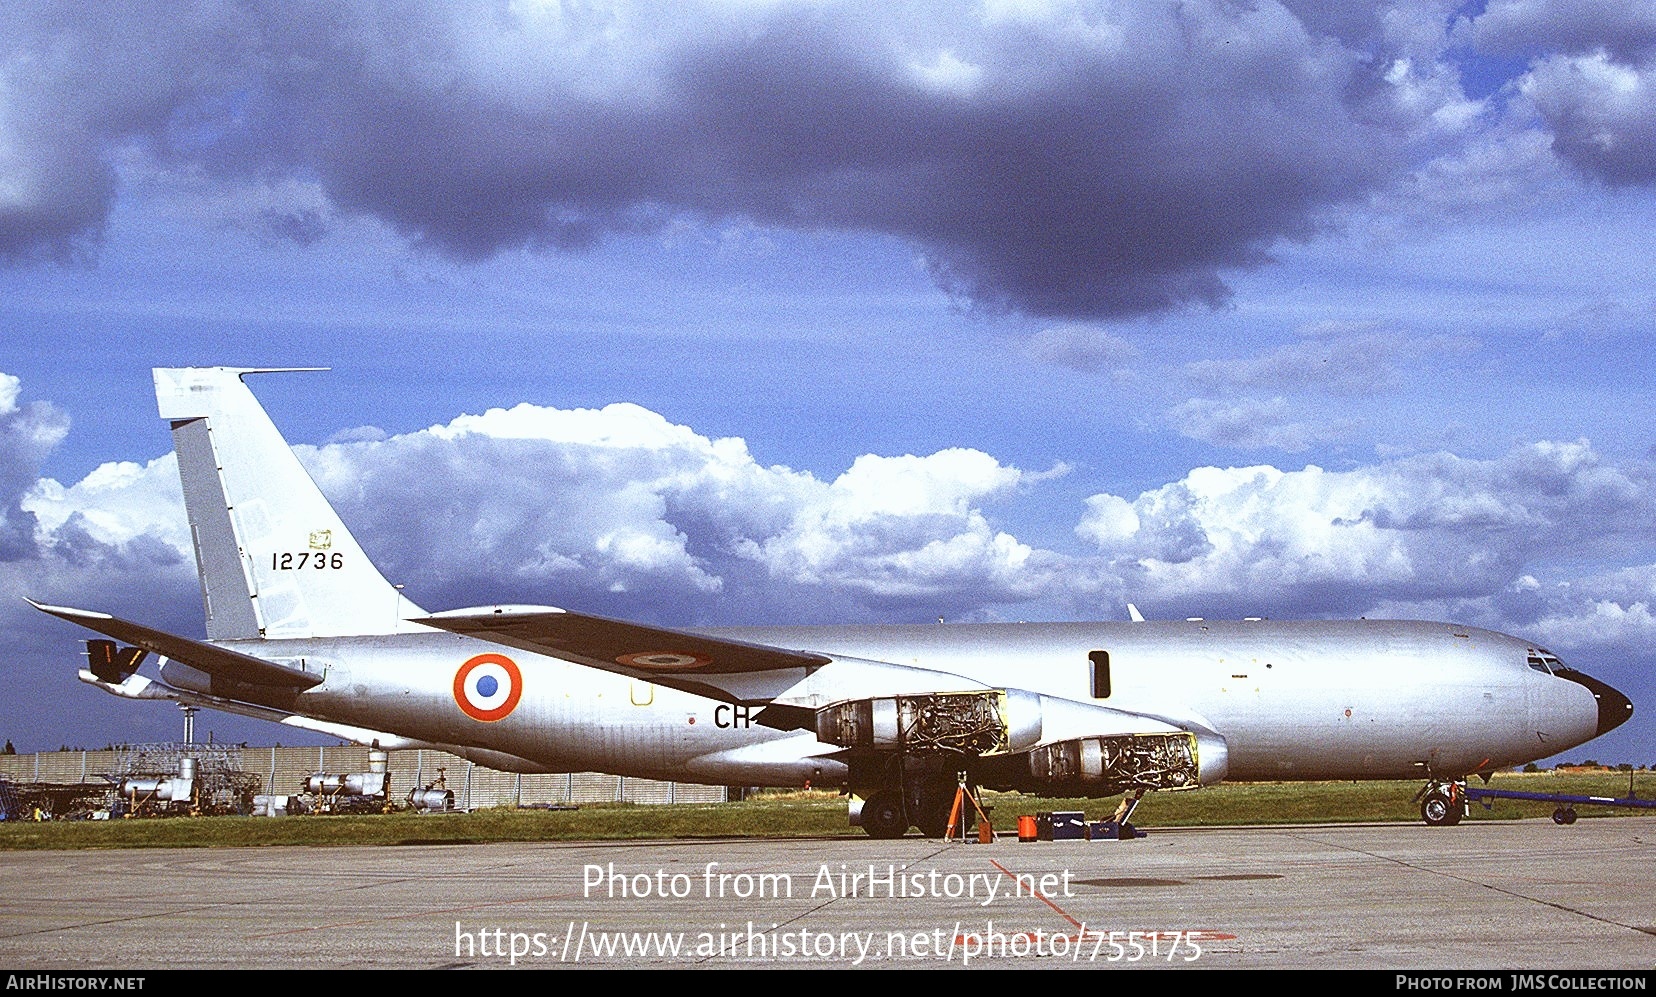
[(1011, 739)]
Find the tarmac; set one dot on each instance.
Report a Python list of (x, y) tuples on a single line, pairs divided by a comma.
[(1485, 895)]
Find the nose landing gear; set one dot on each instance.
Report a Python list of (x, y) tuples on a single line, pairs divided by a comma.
[(1442, 803)]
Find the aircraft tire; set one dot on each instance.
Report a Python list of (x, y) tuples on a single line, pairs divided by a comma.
[(883, 816), (1438, 810), (933, 824)]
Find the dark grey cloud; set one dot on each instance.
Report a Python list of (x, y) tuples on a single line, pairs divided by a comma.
[(81, 83), (1592, 79), (1085, 160), (1626, 29)]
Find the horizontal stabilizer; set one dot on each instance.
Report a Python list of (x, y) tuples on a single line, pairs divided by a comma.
[(217, 661), (628, 648)]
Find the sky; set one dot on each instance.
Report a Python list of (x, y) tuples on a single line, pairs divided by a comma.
[(770, 311)]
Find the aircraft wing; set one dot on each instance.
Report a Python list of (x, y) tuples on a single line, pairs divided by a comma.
[(210, 658), (629, 648), (789, 684)]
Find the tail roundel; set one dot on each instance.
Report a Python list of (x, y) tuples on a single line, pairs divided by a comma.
[(275, 559)]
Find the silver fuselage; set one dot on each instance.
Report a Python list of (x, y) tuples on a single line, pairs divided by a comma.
[(1293, 700)]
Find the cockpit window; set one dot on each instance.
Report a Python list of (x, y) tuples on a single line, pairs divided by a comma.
[(1543, 660)]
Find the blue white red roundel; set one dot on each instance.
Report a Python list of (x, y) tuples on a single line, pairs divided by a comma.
[(488, 687)]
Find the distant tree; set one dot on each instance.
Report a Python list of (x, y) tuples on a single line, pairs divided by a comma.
[(1532, 767), (9, 749)]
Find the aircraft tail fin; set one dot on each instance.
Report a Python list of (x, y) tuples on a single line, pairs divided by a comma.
[(275, 559)]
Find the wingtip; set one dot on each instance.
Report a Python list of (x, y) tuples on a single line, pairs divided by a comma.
[(67, 612)]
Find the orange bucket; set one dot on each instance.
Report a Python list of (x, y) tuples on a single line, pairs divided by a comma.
[(1026, 828)]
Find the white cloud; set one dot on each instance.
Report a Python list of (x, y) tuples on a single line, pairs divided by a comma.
[(1421, 528), (28, 432), (114, 505), (1602, 113), (1250, 424), (619, 501), (1080, 346), (621, 507)]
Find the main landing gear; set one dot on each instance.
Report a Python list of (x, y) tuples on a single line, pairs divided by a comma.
[(883, 815), (886, 814)]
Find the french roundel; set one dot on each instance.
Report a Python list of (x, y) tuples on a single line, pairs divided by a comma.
[(488, 687), (663, 661)]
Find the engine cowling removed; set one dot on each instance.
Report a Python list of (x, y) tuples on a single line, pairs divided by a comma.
[(999, 738), (964, 723), (1118, 763)]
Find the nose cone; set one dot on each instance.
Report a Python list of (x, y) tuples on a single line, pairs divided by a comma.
[(1613, 707)]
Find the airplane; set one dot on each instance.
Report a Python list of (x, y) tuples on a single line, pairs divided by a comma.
[(302, 629)]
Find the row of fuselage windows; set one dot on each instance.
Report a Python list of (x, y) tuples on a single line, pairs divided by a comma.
[(1541, 661)]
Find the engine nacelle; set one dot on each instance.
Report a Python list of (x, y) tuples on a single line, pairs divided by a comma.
[(1119, 763), (981, 722)]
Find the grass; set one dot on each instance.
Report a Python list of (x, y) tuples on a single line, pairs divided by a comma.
[(803, 814)]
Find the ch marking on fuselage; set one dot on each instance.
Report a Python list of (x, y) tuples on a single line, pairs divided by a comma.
[(487, 687), (732, 715)]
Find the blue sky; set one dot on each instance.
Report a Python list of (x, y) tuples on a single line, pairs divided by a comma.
[(977, 310)]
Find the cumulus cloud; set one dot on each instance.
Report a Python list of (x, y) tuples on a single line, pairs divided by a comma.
[(1430, 527), (1602, 113), (1592, 79), (121, 512), (28, 432), (620, 510), (621, 507), (1073, 159), (1624, 28)]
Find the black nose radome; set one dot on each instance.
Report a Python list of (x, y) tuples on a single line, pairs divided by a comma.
[(1613, 707)]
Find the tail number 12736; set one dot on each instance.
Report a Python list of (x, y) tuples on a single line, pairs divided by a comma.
[(317, 559)]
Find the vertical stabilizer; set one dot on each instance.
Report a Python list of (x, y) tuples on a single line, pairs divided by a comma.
[(275, 559)]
